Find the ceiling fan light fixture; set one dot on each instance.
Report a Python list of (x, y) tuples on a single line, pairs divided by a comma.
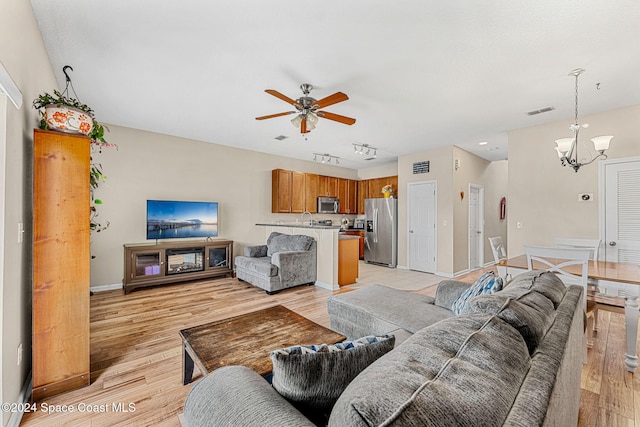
[(296, 121)]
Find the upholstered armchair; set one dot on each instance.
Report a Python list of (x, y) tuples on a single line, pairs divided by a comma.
[(284, 262)]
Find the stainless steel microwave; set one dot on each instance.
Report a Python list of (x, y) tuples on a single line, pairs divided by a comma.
[(328, 205)]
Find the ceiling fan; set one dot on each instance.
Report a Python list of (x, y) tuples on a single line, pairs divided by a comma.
[(308, 109)]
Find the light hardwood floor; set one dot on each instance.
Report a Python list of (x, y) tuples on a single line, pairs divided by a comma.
[(136, 352)]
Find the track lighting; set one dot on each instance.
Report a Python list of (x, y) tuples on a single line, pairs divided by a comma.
[(326, 158), (365, 149)]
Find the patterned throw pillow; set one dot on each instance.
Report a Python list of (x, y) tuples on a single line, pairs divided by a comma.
[(488, 283), (314, 376)]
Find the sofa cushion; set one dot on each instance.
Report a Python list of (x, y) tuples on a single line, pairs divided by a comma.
[(314, 376), (486, 284), (543, 282), (464, 371), (258, 265), (531, 314), (279, 242), (379, 309)]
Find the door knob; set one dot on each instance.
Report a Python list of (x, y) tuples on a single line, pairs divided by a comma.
[(612, 243), (410, 231)]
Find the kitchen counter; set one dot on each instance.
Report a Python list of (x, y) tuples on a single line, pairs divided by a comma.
[(347, 237), (301, 225)]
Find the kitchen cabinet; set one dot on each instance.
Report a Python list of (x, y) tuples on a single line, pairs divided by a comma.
[(363, 193), (347, 193), (297, 192), (376, 184), (360, 234), (328, 186), (287, 191), (311, 192), (347, 260)]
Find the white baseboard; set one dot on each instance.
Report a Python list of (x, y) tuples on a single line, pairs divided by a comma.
[(447, 275), (461, 272), (102, 288), (402, 267), (326, 286), (25, 397)]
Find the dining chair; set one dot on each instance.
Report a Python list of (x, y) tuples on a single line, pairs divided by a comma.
[(497, 248), (557, 260), (572, 243)]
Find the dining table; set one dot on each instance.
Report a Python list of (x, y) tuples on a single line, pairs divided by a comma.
[(612, 279)]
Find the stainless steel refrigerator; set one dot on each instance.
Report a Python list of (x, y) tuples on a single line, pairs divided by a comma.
[(381, 231)]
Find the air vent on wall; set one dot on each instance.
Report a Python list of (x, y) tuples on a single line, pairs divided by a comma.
[(540, 111)]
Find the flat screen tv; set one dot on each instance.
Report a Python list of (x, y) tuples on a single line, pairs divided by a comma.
[(170, 219)]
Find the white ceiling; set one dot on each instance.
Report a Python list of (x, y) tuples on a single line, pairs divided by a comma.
[(420, 74)]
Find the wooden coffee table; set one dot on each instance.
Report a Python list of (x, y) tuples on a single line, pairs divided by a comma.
[(248, 340)]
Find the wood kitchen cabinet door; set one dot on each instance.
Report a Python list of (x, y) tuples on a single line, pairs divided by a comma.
[(287, 191), (363, 193), (311, 192), (281, 187), (298, 201)]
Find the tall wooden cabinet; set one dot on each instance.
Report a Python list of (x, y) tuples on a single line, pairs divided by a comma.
[(61, 255)]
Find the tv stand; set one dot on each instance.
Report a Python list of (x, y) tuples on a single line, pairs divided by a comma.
[(169, 262)]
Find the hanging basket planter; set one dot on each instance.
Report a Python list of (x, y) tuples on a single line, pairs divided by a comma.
[(67, 119)]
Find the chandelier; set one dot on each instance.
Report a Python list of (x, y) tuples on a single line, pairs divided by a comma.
[(567, 148)]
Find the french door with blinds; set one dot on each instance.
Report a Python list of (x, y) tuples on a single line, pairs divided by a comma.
[(621, 222)]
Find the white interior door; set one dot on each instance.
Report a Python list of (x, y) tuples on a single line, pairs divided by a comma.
[(421, 207), (622, 211), (476, 229)]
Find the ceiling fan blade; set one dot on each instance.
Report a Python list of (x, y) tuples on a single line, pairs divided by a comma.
[(330, 100), (281, 96), (336, 117), (303, 126), (271, 116)]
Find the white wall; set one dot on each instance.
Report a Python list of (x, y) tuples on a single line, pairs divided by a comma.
[(23, 55), (441, 171), (543, 196), (452, 222), (154, 166), (389, 169)]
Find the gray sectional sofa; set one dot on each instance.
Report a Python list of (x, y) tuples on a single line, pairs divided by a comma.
[(287, 260), (512, 358)]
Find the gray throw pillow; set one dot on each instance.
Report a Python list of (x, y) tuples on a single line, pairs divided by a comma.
[(278, 242), (314, 376)]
